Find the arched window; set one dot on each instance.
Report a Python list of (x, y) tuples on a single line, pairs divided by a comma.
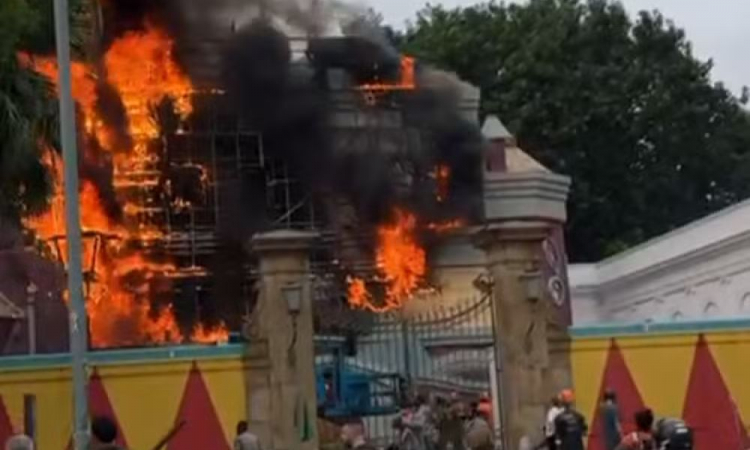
[(745, 303), (711, 309)]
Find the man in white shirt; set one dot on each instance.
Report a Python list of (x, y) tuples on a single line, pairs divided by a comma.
[(19, 442), (549, 425), (245, 440)]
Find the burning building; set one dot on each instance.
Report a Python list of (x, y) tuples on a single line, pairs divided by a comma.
[(203, 124)]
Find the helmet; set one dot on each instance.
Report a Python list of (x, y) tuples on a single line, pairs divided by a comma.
[(567, 396), (673, 434)]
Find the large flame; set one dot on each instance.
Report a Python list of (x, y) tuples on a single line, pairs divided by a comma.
[(400, 260), (139, 66), (405, 82), (401, 265)]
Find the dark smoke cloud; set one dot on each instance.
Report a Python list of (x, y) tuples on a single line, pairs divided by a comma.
[(293, 104), (372, 168)]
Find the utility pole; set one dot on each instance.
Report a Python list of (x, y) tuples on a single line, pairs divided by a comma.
[(78, 321)]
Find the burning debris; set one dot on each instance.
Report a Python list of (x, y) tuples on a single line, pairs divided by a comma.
[(374, 136)]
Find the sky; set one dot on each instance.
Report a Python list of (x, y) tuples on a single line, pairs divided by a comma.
[(718, 29)]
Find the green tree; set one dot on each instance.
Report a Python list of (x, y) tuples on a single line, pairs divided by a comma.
[(28, 105), (27, 117), (621, 105)]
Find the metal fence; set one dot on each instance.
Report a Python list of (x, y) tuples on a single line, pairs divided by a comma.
[(443, 352)]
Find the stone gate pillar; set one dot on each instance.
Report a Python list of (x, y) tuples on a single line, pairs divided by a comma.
[(282, 402), (524, 202)]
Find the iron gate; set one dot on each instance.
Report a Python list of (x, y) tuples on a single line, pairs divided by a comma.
[(378, 364)]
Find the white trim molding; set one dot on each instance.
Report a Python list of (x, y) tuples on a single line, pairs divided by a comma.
[(698, 271)]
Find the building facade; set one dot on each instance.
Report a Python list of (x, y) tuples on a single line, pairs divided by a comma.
[(697, 272)]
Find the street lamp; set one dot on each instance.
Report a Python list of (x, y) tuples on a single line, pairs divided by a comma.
[(78, 326), (292, 295)]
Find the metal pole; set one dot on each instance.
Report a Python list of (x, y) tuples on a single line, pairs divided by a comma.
[(407, 353), (78, 322), (31, 291)]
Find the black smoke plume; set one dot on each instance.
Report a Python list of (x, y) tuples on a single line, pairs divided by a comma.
[(295, 103)]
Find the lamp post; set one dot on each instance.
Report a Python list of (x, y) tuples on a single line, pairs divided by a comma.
[(78, 326), (31, 291), (292, 294)]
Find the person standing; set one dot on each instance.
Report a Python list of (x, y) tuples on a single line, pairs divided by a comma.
[(485, 408), (451, 426), (570, 425), (673, 434), (353, 436), (643, 437), (550, 440), (610, 414), (245, 440), (104, 434), (407, 438), (19, 442), (422, 422), (478, 431)]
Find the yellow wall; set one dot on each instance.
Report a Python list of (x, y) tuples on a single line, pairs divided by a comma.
[(145, 397), (661, 365)]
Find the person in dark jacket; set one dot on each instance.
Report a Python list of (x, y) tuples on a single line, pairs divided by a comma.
[(104, 434), (673, 434), (570, 425), (610, 420)]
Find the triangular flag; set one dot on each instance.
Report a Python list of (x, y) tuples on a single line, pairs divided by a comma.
[(709, 408), (202, 428), (6, 426), (616, 377), (99, 405)]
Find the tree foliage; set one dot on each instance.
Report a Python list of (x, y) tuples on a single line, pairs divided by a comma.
[(619, 104), (28, 106), (27, 116)]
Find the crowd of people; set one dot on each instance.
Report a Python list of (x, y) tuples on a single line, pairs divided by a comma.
[(452, 424), (445, 423), (566, 428)]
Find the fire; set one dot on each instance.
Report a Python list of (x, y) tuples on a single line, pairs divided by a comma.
[(83, 86), (118, 307), (406, 81), (140, 68), (443, 227), (399, 257), (401, 264), (206, 335)]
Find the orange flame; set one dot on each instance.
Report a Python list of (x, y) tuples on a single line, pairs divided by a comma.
[(443, 227), (406, 81), (400, 262), (205, 335), (140, 67)]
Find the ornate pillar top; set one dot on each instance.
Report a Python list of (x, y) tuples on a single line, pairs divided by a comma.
[(517, 188)]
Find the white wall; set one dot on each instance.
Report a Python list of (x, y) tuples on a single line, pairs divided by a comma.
[(698, 271)]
